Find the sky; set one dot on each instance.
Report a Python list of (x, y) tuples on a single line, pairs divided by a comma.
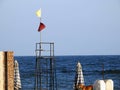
[(77, 27)]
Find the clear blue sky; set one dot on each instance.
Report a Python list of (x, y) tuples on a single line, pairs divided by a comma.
[(77, 27)]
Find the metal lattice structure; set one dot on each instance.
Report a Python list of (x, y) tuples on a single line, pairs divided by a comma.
[(45, 67)]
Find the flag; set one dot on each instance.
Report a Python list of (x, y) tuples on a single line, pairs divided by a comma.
[(38, 13), (41, 27)]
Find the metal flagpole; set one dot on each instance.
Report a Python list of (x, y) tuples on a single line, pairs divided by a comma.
[(40, 87), (40, 36), (38, 54), (40, 32)]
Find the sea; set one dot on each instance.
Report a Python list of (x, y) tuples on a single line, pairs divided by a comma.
[(94, 67)]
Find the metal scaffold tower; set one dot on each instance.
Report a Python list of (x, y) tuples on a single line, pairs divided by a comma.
[(45, 67)]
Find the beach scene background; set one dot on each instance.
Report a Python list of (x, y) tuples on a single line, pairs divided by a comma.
[(87, 31)]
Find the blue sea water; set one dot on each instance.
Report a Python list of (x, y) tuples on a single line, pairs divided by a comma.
[(65, 70)]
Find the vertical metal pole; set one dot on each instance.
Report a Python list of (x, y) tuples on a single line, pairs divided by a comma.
[(40, 71), (40, 32), (103, 70), (50, 70), (53, 65), (35, 88), (40, 37)]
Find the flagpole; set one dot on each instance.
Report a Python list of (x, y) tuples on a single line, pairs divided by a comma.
[(41, 25), (40, 35)]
